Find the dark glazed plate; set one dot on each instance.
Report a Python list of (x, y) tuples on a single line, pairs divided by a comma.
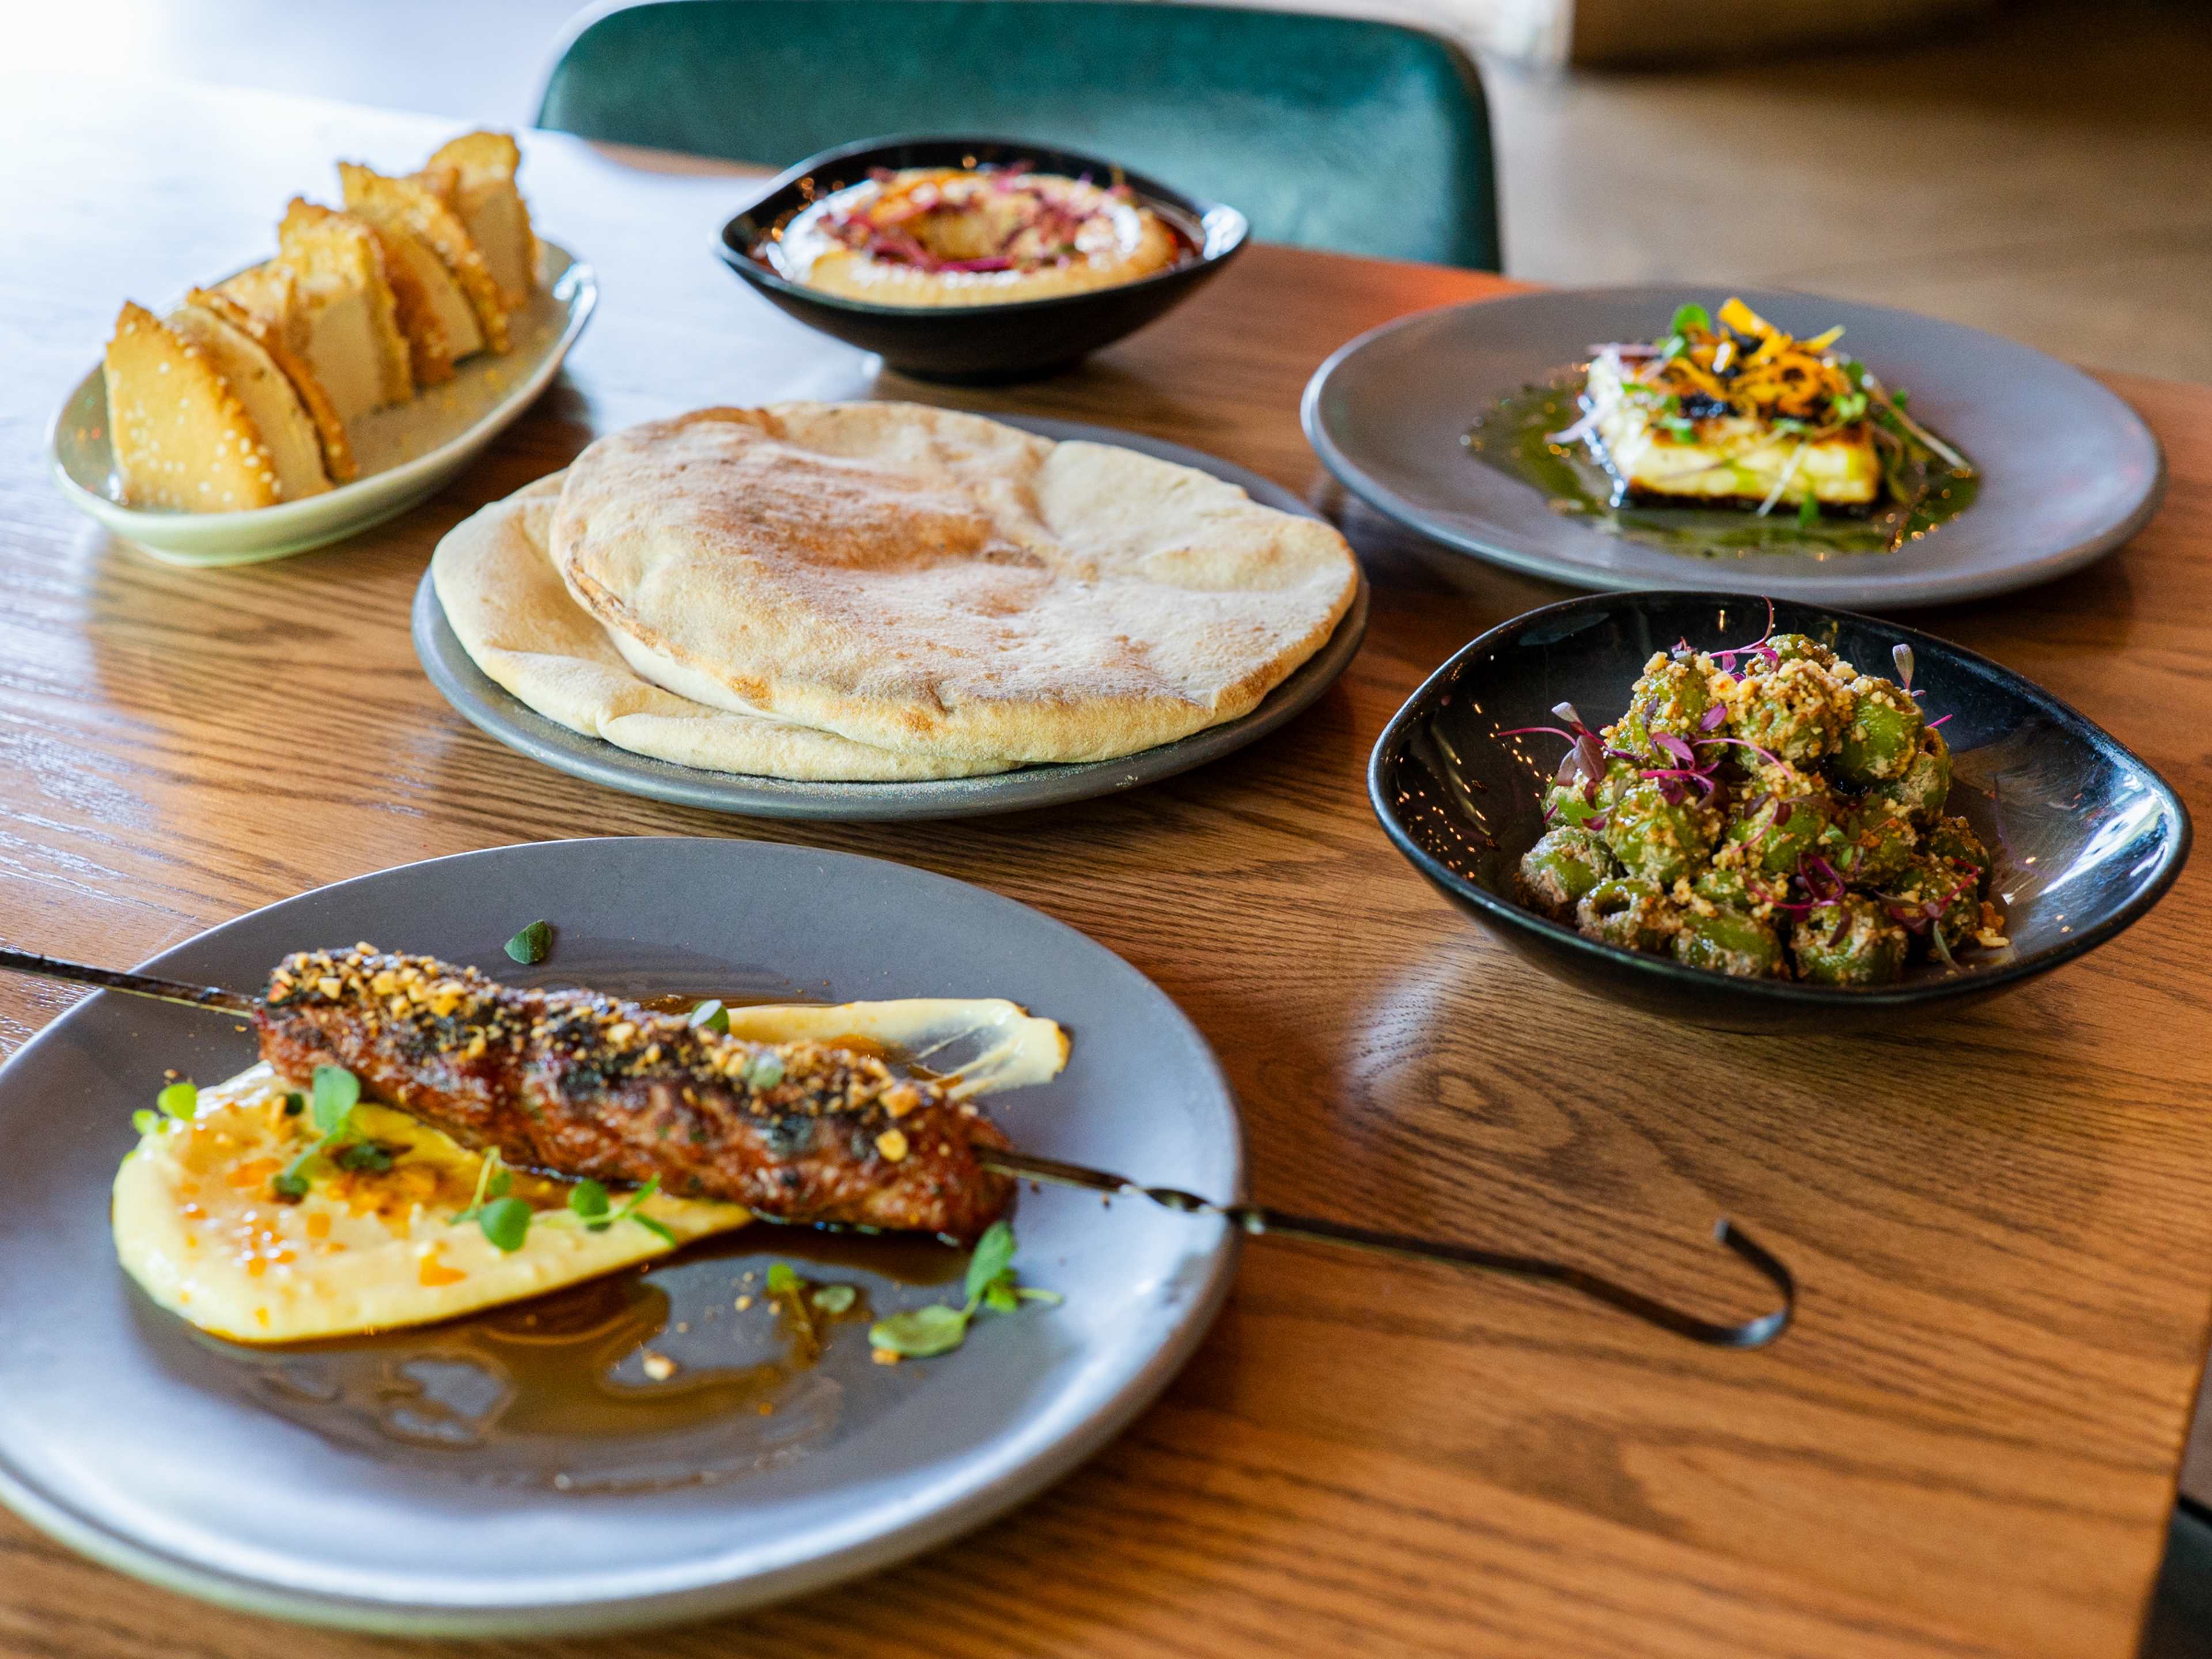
[(2068, 471), (242, 1475), (2086, 836), (1023, 339), (496, 712)]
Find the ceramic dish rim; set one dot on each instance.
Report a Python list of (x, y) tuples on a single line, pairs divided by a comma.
[(1909, 589), (1784, 993), (998, 1485), (126, 520), (1235, 227)]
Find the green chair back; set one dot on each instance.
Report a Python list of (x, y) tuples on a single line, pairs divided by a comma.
[(1328, 132)]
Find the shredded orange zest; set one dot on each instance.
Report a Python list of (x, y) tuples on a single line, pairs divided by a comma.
[(1754, 368)]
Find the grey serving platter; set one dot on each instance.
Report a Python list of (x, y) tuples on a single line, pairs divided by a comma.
[(492, 709), (191, 1462), (2069, 470)]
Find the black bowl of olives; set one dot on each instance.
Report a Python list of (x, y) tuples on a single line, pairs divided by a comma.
[(1769, 817)]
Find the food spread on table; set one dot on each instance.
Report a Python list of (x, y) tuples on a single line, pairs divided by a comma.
[(419, 1141), (1764, 812), (968, 236), (1728, 435), (252, 393), (885, 590)]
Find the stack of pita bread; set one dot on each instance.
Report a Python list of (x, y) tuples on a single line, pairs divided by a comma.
[(244, 396), (883, 591)]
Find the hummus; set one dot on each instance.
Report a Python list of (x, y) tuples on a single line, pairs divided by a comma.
[(953, 236)]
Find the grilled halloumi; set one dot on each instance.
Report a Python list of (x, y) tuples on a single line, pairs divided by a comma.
[(1728, 460)]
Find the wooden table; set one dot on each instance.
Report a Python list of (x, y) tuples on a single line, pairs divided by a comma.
[(2003, 1229)]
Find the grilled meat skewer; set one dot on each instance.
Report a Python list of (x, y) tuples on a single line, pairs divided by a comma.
[(834, 1178), (584, 1085)]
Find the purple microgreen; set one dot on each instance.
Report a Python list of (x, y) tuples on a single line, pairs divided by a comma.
[(1714, 717), (1566, 711), (1766, 755), (1901, 654), (1674, 746), (1677, 777), (1933, 723)]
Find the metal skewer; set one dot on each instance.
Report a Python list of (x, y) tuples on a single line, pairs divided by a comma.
[(138, 985), (1254, 1219)]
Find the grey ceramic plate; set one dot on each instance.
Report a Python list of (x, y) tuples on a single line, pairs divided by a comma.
[(492, 709), (199, 1466), (2068, 471)]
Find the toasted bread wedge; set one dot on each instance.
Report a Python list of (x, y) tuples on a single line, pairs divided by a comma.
[(353, 341), (439, 321), (270, 292), (270, 404), (482, 166), (181, 436), (322, 414), (420, 208)]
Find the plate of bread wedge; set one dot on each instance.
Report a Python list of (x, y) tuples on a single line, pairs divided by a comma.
[(302, 399)]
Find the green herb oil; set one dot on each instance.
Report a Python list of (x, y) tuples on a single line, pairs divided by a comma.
[(1514, 438)]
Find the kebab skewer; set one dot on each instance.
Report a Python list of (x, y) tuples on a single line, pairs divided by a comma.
[(579, 1084)]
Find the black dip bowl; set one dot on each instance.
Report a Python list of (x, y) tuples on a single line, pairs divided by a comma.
[(2085, 838), (1021, 339)]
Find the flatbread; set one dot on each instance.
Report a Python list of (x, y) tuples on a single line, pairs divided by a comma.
[(515, 619), (940, 584)]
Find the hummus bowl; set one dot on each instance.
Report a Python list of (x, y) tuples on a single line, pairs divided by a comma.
[(965, 324)]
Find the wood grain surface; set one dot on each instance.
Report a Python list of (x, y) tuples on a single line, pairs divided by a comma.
[(1968, 1444)]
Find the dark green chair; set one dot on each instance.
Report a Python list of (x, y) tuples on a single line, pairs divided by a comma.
[(1329, 132)]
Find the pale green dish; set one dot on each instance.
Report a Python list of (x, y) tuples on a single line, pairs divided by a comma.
[(405, 452)]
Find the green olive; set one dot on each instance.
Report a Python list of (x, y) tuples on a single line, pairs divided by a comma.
[(1945, 897), (1922, 789), (1671, 696), (1796, 711), (1952, 841), (1882, 735), (1657, 839), (1777, 831), (1568, 803), (1728, 941), (1636, 914), (1801, 648), (1852, 941), (1869, 843), (1560, 868)]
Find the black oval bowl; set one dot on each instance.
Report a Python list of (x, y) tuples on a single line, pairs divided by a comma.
[(1019, 340), (2086, 836)]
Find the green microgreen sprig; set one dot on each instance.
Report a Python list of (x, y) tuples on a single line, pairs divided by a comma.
[(532, 944), (506, 1220), (992, 1283), (329, 1105)]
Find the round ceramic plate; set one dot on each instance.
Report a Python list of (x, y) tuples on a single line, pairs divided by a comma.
[(2067, 471), (492, 709), (249, 1477), (405, 452)]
